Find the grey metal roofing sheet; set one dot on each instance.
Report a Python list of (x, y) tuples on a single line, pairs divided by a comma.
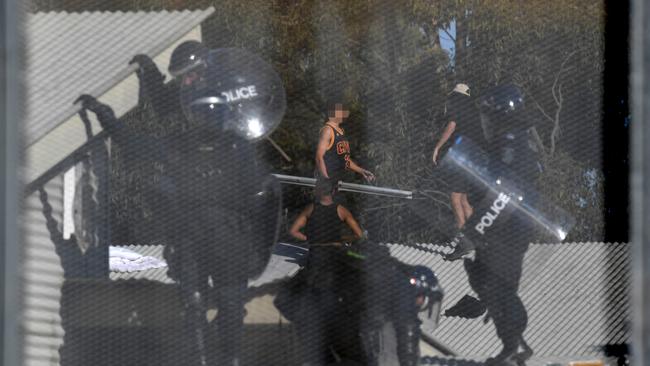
[(73, 53), (42, 278), (283, 263), (576, 295)]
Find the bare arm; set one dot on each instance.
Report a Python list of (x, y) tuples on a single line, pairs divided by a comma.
[(300, 223), (367, 174), (324, 143), (346, 216), (446, 134)]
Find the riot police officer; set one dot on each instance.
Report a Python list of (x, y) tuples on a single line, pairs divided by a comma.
[(504, 221), (218, 203), (396, 293)]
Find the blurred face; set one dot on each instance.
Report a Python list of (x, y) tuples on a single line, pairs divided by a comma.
[(340, 113), (189, 77), (419, 301)]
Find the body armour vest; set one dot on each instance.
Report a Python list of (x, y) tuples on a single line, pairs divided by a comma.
[(212, 170)]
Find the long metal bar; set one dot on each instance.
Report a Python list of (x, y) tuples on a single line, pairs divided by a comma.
[(347, 187), (439, 346), (284, 179), (11, 103), (640, 176), (64, 164)]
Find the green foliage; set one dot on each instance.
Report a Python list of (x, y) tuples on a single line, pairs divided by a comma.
[(578, 189), (384, 59)]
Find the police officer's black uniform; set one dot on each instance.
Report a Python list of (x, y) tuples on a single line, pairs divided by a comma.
[(498, 231), (218, 204), (390, 296)]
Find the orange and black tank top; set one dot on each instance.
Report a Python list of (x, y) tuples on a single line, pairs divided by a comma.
[(324, 224), (337, 156)]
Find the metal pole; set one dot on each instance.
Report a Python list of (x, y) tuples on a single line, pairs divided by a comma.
[(10, 111), (279, 149), (347, 187), (640, 176)]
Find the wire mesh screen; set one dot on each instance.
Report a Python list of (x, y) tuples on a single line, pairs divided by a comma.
[(324, 182)]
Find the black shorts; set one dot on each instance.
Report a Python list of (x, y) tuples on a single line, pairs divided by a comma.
[(458, 181), (335, 177)]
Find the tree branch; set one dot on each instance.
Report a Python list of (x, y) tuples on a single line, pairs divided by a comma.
[(556, 127), (556, 92), (538, 140), (543, 111), (557, 77)]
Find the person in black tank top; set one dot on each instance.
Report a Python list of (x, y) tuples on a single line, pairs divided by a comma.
[(333, 151), (463, 120), (313, 302), (322, 220), (337, 157), (324, 224)]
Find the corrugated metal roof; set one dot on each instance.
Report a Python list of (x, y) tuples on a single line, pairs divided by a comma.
[(576, 295), (73, 53), (283, 263), (42, 279), (534, 361)]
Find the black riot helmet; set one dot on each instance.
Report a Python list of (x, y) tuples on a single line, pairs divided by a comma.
[(508, 130), (237, 92), (426, 285), (187, 56), (504, 99), (501, 110)]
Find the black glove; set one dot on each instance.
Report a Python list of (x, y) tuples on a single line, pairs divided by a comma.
[(87, 101), (143, 61)]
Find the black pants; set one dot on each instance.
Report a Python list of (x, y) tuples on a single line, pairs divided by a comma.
[(210, 259), (495, 275), (388, 297)]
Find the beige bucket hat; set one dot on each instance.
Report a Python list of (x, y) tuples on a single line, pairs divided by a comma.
[(462, 89)]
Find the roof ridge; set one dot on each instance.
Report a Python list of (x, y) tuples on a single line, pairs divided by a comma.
[(173, 11), (584, 243), (416, 245)]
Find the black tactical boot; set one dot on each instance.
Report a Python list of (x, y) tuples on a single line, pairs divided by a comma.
[(505, 358), (467, 307), (525, 353), (462, 247)]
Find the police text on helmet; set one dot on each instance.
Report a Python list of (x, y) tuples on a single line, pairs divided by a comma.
[(488, 219), (245, 92)]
